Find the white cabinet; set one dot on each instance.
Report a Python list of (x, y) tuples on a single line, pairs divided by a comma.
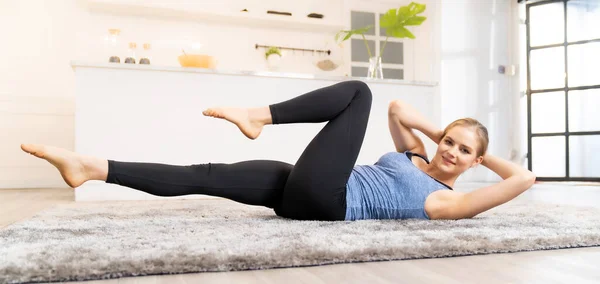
[(230, 12), (149, 114)]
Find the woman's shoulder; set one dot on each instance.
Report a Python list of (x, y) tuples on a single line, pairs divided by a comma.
[(405, 155), (394, 159)]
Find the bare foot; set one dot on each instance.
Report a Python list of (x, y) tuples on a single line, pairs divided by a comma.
[(72, 166), (240, 117)]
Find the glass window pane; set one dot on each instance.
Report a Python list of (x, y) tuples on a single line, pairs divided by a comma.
[(360, 71), (583, 156), (393, 73), (548, 112), (548, 157), (362, 19), (547, 68), (381, 30), (581, 16), (546, 24), (359, 50), (584, 64), (583, 110), (393, 52)]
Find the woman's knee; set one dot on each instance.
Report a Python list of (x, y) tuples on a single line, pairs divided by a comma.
[(362, 89)]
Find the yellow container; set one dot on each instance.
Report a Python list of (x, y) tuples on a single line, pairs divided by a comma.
[(197, 60)]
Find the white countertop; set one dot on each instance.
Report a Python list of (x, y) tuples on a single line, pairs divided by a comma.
[(124, 66)]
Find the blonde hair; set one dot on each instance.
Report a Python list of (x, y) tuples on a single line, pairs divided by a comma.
[(481, 131)]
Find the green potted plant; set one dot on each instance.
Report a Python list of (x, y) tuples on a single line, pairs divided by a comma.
[(273, 56), (395, 22)]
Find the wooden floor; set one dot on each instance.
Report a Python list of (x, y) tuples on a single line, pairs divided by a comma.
[(579, 265)]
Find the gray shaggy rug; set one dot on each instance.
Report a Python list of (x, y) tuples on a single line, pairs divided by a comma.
[(101, 240)]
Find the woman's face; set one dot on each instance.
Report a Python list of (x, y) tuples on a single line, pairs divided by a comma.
[(457, 152)]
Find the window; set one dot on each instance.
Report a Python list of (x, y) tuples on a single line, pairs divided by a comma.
[(563, 89), (392, 58)]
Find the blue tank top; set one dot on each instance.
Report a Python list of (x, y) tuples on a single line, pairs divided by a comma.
[(392, 188)]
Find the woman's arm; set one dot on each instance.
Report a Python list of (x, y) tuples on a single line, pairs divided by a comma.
[(516, 180), (402, 119)]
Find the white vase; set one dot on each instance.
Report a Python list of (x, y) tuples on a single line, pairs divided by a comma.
[(273, 61)]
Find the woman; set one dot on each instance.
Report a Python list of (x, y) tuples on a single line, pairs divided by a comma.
[(325, 184)]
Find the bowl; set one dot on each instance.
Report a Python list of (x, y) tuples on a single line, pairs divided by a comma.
[(196, 60), (328, 64)]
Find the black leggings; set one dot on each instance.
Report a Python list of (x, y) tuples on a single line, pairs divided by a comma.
[(312, 189)]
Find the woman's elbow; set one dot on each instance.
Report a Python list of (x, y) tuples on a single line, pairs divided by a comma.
[(529, 179)]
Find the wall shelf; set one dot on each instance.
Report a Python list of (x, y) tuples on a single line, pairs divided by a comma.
[(183, 11)]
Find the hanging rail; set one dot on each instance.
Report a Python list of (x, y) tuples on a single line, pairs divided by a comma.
[(256, 46)]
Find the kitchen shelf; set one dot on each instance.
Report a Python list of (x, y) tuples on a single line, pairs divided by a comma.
[(173, 11)]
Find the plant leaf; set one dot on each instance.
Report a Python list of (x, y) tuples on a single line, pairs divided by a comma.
[(388, 19), (399, 32), (404, 12), (407, 33), (348, 33), (415, 21), (394, 32), (395, 20), (338, 35), (417, 8), (363, 30)]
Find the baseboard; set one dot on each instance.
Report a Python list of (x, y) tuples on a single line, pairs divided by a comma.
[(31, 177)]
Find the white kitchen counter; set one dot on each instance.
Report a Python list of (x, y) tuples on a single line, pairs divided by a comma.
[(142, 113), (123, 66)]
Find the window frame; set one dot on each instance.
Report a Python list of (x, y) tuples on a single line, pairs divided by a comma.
[(566, 89)]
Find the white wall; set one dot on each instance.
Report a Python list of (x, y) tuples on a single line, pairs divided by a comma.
[(36, 86), (476, 37)]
